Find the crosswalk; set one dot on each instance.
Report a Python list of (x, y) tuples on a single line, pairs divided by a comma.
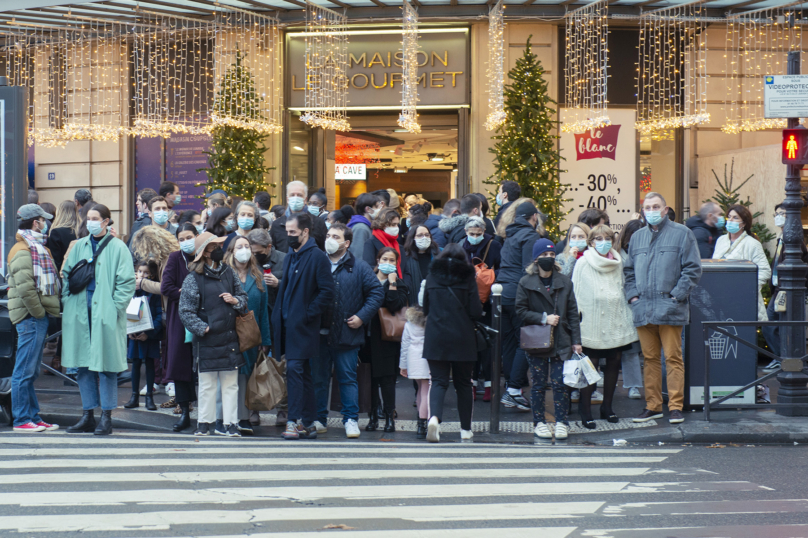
[(167, 485)]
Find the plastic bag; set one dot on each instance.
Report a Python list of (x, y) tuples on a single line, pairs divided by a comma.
[(266, 387), (573, 374), (589, 370)]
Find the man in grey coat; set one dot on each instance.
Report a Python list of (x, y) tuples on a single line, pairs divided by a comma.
[(662, 267)]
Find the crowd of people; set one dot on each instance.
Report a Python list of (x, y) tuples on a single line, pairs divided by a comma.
[(354, 299)]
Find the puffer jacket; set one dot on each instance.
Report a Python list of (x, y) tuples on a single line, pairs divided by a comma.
[(454, 228), (433, 225), (516, 255), (357, 292), (661, 270), (23, 297)]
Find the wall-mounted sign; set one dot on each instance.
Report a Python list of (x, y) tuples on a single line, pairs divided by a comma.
[(355, 172), (785, 96), (374, 68), (601, 169)]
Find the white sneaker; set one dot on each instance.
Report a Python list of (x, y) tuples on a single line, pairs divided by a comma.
[(351, 429), (597, 397), (170, 390), (634, 393), (143, 390), (543, 431), (319, 426), (156, 390), (433, 430), (466, 435), (562, 431)]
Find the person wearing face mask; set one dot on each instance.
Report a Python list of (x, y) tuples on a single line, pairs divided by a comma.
[(358, 295), (144, 347), (143, 215), (545, 297), (574, 249), (179, 368), (741, 244), (296, 194), (385, 234), (94, 320), (662, 268), (246, 217), (317, 203), (239, 256), (158, 207), (707, 227), (220, 223), (454, 228), (592, 217), (210, 300), (509, 192), (367, 206), (217, 198), (194, 217), (418, 252), (606, 324)]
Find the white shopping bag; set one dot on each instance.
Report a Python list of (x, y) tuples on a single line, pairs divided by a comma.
[(133, 310), (573, 375), (590, 372), (144, 323)]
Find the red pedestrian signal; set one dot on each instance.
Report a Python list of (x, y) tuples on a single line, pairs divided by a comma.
[(795, 146)]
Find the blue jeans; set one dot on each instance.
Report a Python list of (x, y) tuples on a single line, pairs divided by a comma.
[(300, 388), (344, 363), (31, 334), (98, 388)]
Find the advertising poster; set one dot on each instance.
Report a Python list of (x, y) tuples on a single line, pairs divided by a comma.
[(184, 155), (601, 169)]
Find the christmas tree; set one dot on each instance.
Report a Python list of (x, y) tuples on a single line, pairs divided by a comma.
[(526, 148), (236, 156)]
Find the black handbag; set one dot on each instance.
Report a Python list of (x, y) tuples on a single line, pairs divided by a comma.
[(83, 272), (482, 339), (539, 339)]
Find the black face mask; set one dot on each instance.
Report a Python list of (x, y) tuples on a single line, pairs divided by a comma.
[(294, 242), (262, 259), (217, 255), (546, 264)]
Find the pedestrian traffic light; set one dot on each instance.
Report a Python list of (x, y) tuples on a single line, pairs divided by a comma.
[(795, 146)]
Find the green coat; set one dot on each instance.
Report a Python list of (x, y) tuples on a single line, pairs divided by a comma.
[(105, 351)]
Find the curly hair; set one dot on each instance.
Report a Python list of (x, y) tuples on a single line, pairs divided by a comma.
[(153, 243)]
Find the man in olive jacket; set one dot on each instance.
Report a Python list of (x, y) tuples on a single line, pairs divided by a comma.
[(33, 294), (662, 267)]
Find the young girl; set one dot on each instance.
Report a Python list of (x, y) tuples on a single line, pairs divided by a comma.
[(145, 346), (413, 364)]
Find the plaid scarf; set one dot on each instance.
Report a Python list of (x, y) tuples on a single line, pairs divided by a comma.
[(45, 278)]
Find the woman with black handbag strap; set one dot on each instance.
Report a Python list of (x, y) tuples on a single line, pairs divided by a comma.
[(545, 289)]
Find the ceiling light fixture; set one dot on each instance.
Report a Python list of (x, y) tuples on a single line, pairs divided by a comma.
[(400, 170)]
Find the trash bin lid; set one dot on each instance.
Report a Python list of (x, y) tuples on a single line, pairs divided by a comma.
[(728, 266)]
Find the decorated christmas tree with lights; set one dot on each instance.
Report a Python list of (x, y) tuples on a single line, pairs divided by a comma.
[(236, 156), (526, 148)]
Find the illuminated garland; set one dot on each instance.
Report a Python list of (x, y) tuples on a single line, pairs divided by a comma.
[(496, 67), (587, 59), (408, 119)]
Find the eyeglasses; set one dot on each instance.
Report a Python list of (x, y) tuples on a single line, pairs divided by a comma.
[(423, 236)]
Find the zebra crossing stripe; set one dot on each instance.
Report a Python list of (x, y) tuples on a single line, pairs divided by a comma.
[(510, 532)]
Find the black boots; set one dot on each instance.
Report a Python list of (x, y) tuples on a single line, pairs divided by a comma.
[(150, 403), (85, 425), (421, 432), (133, 402), (185, 417), (373, 423), (105, 424), (389, 423)]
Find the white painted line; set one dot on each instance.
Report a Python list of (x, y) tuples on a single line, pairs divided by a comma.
[(292, 476), (736, 531), (510, 532), (163, 521), (692, 508)]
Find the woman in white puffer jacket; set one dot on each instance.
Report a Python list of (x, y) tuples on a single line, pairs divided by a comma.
[(607, 328), (414, 366)]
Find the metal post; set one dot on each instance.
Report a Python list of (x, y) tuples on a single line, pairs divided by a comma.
[(791, 279), (707, 390), (496, 356)]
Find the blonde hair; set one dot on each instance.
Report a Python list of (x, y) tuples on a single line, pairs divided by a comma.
[(600, 229), (252, 265), (153, 243), (584, 228), (67, 216), (508, 216)]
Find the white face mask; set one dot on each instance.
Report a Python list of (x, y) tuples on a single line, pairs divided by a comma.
[(243, 255), (332, 245), (779, 220), (423, 243), (391, 230)]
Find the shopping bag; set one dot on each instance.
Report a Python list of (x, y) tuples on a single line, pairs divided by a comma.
[(590, 372), (573, 375), (266, 387), (144, 322), (133, 310)]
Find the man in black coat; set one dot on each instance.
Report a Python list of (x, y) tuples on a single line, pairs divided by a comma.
[(304, 294), (296, 194), (706, 226), (509, 192)]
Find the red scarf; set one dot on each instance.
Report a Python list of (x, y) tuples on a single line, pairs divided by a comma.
[(389, 241)]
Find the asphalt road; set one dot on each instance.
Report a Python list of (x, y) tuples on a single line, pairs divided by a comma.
[(136, 484)]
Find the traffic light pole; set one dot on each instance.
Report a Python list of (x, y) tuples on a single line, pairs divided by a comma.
[(793, 378)]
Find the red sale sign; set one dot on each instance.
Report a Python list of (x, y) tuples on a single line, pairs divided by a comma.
[(597, 143)]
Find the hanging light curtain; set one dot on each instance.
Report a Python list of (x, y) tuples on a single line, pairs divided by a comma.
[(408, 119), (496, 67)]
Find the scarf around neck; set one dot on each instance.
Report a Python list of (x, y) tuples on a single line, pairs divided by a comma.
[(45, 278)]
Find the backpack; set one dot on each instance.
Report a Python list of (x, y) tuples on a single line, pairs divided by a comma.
[(485, 276)]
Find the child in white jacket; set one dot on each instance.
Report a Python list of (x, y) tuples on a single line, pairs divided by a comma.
[(413, 364)]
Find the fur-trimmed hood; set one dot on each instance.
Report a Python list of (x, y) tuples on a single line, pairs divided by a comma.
[(416, 316), (448, 224), (448, 271)]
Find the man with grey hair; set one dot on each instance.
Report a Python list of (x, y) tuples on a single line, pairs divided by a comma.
[(662, 268), (296, 194), (706, 227), (453, 226)]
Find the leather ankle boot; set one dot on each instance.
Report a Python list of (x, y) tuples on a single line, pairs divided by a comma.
[(133, 402), (389, 423), (421, 432), (185, 418), (105, 424), (373, 423), (150, 403), (85, 425)]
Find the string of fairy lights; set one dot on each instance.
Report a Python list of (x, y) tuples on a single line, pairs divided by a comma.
[(408, 119), (496, 67), (586, 62)]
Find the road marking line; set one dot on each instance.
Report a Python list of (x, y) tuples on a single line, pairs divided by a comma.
[(510, 532)]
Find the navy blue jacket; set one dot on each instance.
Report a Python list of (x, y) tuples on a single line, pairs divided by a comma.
[(516, 255), (437, 234), (150, 348), (312, 290), (357, 292)]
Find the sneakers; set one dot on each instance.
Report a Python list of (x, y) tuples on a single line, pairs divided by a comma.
[(48, 427), (232, 430), (543, 431), (562, 431), (156, 390), (243, 426), (433, 430), (647, 415), (280, 420), (351, 429), (676, 417), (219, 428), (170, 390), (634, 393), (202, 428), (575, 396), (597, 397), (292, 431), (519, 402), (772, 366), (466, 435), (29, 427), (319, 427)]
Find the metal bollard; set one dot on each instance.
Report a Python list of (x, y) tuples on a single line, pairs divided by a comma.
[(496, 356)]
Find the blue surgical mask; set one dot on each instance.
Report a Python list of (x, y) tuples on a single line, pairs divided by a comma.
[(475, 240), (94, 227), (314, 210), (187, 246), (603, 247), (209, 212), (296, 203), (228, 225), (409, 220), (245, 223), (720, 223), (387, 268), (653, 217), (499, 199), (733, 227), (160, 217), (199, 229), (44, 230), (178, 199), (580, 244), (327, 225)]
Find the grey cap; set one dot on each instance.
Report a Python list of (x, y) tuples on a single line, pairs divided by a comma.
[(32, 211)]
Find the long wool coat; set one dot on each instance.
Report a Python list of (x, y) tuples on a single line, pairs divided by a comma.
[(105, 349), (180, 361)]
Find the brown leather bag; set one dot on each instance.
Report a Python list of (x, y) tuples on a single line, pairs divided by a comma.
[(392, 325), (538, 339), (249, 335), (485, 276)]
